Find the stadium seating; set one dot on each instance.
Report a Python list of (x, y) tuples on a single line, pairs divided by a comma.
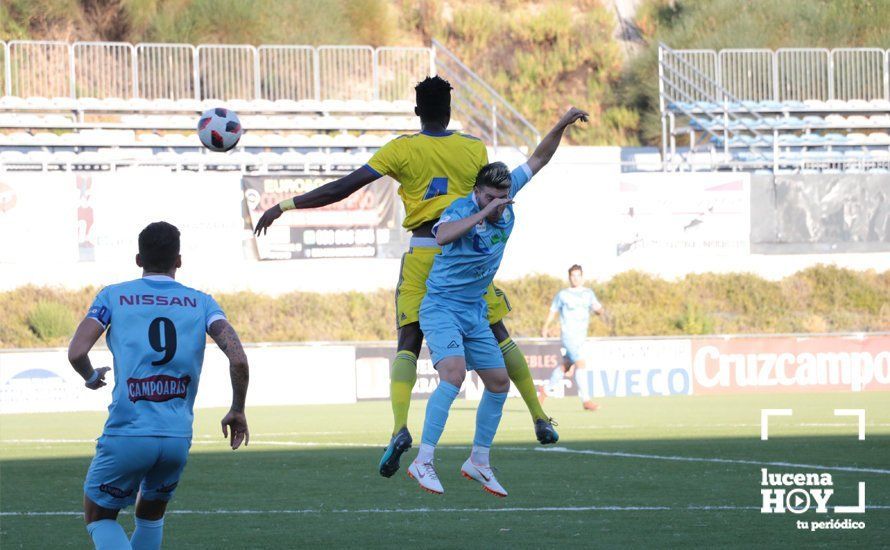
[(330, 132), (803, 126)]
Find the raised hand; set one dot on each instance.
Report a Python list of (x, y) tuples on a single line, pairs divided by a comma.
[(573, 115)]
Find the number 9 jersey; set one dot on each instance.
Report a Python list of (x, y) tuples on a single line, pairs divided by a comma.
[(157, 334)]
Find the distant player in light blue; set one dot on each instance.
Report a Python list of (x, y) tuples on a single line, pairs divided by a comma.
[(156, 332), (573, 305), (473, 233)]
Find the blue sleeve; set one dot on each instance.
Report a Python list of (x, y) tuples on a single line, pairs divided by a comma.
[(557, 302), (457, 211), (100, 311), (518, 178), (212, 311), (594, 302)]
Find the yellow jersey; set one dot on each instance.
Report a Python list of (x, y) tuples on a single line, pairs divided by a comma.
[(432, 170)]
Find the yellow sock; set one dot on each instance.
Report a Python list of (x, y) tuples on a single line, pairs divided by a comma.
[(402, 377), (521, 376)]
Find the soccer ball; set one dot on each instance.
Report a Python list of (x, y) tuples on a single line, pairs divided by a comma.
[(219, 129)]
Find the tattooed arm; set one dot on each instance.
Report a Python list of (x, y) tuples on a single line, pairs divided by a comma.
[(227, 340)]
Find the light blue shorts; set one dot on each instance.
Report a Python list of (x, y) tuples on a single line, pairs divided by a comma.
[(454, 328), (573, 350), (126, 465)]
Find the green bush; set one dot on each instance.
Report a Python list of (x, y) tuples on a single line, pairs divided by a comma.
[(818, 299), (51, 321)]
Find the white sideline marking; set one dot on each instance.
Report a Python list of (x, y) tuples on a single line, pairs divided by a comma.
[(702, 459), (764, 420), (859, 413), (693, 508)]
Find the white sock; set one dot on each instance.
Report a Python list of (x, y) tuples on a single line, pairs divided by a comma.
[(426, 453), (480, 455)]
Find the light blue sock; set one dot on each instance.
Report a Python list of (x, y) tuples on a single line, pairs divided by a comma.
[(584, 381), (555, 378), (148, 534), (437, 412), (107, 534), (488, 416)]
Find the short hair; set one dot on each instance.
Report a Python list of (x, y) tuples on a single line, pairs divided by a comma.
[(575, 267), (159, 247), (495, 175), (433, 95)]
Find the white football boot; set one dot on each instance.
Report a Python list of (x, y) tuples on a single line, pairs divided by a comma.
[(485, 476), (425, 475)]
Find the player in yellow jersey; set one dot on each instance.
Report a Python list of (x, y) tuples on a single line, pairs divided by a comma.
[(433, 168)]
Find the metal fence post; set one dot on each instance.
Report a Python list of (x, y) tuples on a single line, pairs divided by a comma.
[(196, 73), (71, 70), (316, 74), (7, 62)]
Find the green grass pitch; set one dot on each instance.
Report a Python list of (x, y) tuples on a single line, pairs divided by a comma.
[(309, 477)]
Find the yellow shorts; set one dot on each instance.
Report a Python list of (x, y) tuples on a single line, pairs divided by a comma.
[(416, 266)]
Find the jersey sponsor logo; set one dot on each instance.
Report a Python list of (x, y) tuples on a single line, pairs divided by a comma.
[(114, 491), (498, 237), (157, 300), (157, 388)]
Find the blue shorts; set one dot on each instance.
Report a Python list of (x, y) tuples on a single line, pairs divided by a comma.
[(454, 328), (573, 350), (126, 465)]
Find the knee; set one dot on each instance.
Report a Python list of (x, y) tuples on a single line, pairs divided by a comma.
[(499, 383), (453, 374)]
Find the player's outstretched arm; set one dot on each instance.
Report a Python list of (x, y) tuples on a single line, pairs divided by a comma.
[(329, 193), (544, 151), (448, 232), (227, 339), (86, 336)]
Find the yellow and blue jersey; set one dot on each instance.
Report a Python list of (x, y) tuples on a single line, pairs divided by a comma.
[(467, 266), (156, 333), (433, 169)]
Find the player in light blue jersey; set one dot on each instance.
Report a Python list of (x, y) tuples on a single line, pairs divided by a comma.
[(156, 332), (473, 234), (573, 305)]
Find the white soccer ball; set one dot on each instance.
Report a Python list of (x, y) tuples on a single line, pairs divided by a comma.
[(219, 129)]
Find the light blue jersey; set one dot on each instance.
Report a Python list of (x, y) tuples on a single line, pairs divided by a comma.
[(156, 333), (574, 306), (467, 266)]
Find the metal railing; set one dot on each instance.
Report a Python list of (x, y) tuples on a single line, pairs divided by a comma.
[(165, 71), (210, 71), (681, 84), (228, 72), (483, 111), (287, 72), (795, 74)]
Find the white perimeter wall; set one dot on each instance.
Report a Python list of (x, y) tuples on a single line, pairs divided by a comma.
[(574, 211)]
